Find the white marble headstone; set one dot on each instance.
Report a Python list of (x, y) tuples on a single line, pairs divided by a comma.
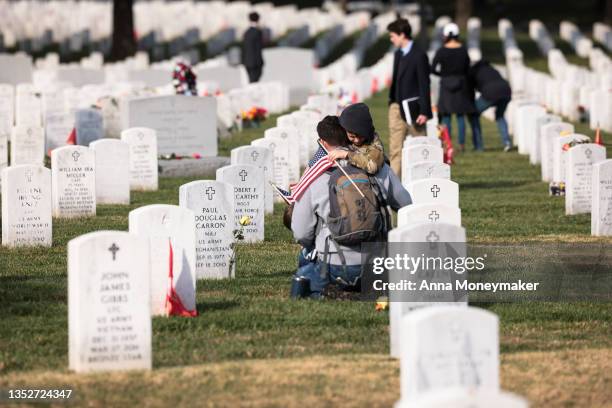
[(579, 176), (248, 182), (426, 169), (28, 108), (560, 154), (185, 125), (262, 158), (4, 136), (535, 153), (434, 190), (280, 154), (549, 133), (7, 105), (58, 126), (428, 213), (143, 158), (419, 153), (109, 311), (112, 171), (413, 233), (526, 115), (445, 346), (27, 145), (292, 138), (74, 181), (111, 115), (212, 203), (418, 140), (26, 206), (166, 225), (601, 207)]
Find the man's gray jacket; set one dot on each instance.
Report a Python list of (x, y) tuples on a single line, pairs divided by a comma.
[(312, 209)]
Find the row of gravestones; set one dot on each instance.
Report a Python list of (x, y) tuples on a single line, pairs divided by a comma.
[(42, 120), (35, 25), (30, 143), (449, 354), (568, 161), (111, 299), (105, 172), (425, 175), (118, 280), (571, 90), (80, 178)]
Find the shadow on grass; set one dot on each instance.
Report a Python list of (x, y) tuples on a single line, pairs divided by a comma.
[(214, 305)]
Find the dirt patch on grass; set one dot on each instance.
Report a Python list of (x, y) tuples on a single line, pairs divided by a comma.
[(548, 379)]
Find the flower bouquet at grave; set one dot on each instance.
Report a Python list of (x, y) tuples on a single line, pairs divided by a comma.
[(174, 156), (244, 221), (253, 117), (573, 143), (447, 142), (184, 80), (558, 189)]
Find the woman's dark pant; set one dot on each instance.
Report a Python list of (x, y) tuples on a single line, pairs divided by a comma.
[(474, 124)]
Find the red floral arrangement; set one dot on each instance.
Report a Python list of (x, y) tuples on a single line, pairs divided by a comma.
[(254, 116)]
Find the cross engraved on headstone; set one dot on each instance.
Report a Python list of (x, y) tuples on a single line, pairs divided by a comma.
[(28, 175), (588, 153), (435, 190), (434, 216), (432, 237), (113, 249), (254, 155), (210, 193), (243, 174), (425, 154), (76, 155)]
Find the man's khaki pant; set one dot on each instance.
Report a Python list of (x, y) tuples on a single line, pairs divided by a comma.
[(398, 129)]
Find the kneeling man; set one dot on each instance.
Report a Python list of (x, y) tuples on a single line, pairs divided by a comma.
[(335, 215)]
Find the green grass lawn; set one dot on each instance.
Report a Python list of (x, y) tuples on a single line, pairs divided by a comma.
[(251, 343)]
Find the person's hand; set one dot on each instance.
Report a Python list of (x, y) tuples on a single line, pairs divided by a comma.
[(338, 154), (421, 120)]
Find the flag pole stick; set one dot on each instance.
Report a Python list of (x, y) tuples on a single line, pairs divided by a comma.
[(343, 171)]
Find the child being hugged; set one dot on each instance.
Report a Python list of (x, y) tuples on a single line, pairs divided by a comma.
[(366, 150)]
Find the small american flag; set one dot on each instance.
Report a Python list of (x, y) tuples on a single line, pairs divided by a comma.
[(316, 166), (319, 154)]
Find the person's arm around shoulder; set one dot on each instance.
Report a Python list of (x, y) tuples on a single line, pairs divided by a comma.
[(369, 158), (304, 220), (397, 195)]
